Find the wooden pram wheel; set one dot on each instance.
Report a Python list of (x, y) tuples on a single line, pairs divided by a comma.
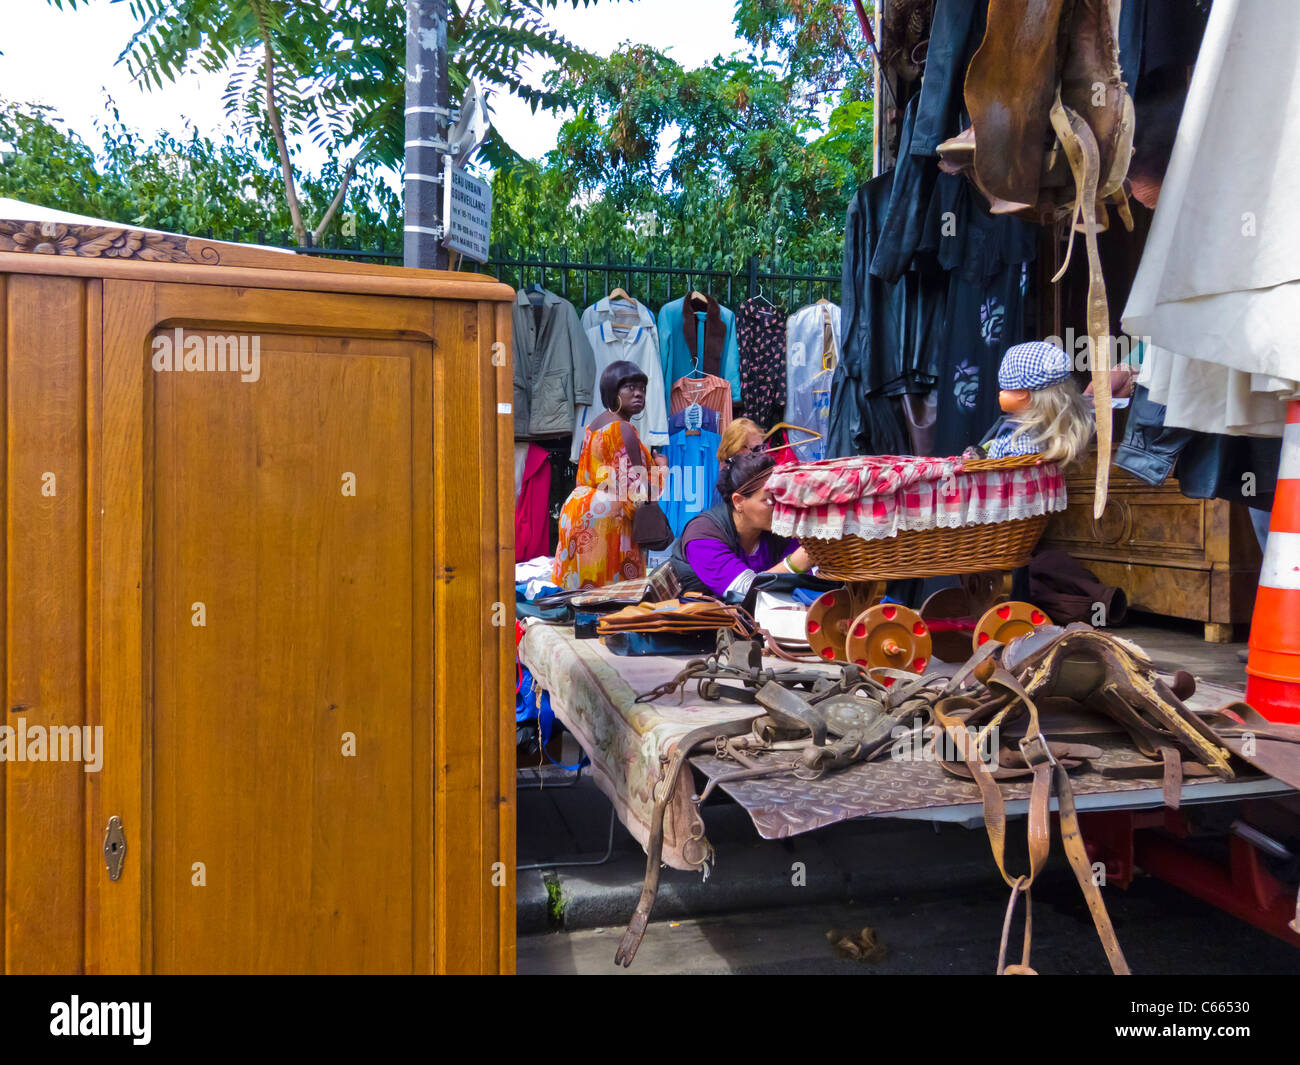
[(827, 624), (888, 634), (1006, 621)]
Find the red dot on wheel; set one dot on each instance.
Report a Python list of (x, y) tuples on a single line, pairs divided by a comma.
[(861, 662), (814, 627), (828, 652), (889, 612), (984, 638), (919, 629), (1037, 617), (859, 631), (918, 664), (888, 682), (1004, 612)]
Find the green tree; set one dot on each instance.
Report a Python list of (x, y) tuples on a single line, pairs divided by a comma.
[(753, 153), (332, 70), (185, 184)]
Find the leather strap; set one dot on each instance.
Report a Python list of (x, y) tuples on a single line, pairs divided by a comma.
[(636, 927), (1048, 776), (1238, 719), (1084, 157), (1077, 854), (1173, 776), (1012, 767), (1023, 968)]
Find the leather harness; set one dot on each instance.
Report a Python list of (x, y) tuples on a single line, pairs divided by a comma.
[(814, 723)]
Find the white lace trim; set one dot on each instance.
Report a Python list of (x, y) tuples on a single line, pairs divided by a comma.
[(805, 523)]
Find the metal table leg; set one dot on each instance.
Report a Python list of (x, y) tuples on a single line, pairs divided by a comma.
[(609, 850)]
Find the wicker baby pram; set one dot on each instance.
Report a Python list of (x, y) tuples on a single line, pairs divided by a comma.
[(855, 625), (937, 552)]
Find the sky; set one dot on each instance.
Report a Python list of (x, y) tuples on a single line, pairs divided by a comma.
[(68, 60)]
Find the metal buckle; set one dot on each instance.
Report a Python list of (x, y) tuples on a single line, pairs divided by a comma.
[(1044, 754)]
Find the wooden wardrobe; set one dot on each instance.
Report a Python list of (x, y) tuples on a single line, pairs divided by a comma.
[(285, 596)]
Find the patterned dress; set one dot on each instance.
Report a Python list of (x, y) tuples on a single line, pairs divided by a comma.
[(595, 544), (760, 331)]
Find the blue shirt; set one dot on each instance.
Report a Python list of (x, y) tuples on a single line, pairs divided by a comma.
[(675, 356), (690, 476)]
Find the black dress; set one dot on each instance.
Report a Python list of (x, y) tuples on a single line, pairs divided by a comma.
[(760, 335)]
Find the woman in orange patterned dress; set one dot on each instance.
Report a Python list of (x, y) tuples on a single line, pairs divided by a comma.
[(595, 545)]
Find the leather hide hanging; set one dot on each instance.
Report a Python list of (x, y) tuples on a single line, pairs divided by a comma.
[(1053, 65)]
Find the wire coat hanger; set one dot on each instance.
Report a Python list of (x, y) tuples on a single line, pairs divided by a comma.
[(788, 426)]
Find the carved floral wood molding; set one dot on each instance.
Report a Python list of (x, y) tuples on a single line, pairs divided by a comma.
[(58, 238)]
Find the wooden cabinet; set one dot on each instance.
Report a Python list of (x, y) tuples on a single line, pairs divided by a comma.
[(281, 594), (1184, 558)]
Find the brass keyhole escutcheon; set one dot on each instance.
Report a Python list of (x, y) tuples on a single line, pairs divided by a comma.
[(114, 847)]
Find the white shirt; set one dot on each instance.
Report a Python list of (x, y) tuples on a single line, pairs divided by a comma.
[(603, 311), (638, 345), (809, 365), (1217, 294)]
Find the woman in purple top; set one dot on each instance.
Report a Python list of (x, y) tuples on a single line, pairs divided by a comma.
[(722, 550)]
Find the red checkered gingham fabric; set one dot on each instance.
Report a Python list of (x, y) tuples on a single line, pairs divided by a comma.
[(876, 496)]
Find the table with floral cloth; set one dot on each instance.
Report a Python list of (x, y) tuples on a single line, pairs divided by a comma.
[(593, 692), (877, 496)]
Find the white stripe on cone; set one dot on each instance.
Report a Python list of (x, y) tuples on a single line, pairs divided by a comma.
[(1289, 467), (1281, 568)]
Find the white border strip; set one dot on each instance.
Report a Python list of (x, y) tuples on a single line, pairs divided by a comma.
[(1289, 467), (1281, 568)]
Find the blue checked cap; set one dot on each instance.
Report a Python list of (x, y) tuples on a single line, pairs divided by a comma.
[(1033, 366)]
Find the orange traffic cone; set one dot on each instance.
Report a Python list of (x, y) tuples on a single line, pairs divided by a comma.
[(1273, 670)]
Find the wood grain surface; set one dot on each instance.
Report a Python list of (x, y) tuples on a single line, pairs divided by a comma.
[(45, 606), (379, 622)]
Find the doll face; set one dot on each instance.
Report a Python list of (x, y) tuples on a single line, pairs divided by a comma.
[(1013, 400)]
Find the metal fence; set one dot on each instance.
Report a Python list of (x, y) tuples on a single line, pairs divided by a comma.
[(583, 277), (655, 280)]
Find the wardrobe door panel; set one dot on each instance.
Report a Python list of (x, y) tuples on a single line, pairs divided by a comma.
[(282, 780)]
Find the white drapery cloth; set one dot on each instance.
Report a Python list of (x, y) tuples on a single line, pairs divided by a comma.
[(1218, 289)]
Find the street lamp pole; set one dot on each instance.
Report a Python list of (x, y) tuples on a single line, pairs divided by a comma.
[(426, 132)]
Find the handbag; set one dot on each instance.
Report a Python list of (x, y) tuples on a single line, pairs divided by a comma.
[(650, 528)]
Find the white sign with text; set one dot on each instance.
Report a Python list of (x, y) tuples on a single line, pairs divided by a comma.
[(467, 207)]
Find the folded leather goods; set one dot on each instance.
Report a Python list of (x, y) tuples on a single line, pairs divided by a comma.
[(690, 613)]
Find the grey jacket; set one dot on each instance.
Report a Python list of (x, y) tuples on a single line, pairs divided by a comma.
[(555, 369)]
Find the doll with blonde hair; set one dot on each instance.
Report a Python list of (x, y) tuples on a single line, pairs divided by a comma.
[(1046, 414)]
